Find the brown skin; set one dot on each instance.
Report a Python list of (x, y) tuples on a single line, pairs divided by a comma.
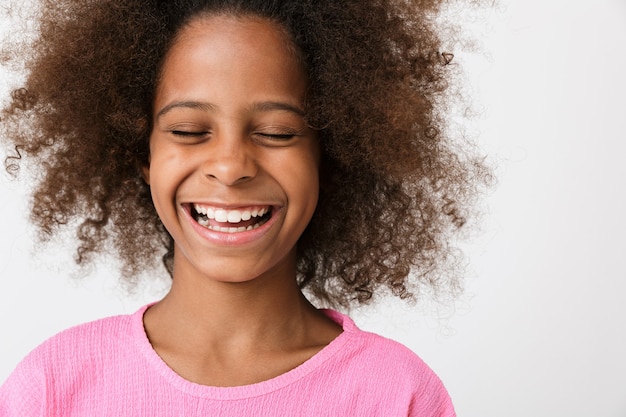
[(238, 335), (235, 314), (229, 134), (394, 187)]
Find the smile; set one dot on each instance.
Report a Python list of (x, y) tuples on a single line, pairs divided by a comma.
[(230, 221)]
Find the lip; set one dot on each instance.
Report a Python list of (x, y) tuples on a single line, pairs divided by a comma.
[(232, 239)]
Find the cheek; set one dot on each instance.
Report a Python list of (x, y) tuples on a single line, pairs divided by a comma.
[(304, 184), (163, 176)]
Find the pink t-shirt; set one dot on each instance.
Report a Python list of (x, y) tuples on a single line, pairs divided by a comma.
[(108, 368)]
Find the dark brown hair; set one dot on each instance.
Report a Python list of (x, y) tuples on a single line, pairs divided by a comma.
[(394, 188)]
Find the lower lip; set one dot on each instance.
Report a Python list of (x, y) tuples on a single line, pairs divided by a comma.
[(232, 239)]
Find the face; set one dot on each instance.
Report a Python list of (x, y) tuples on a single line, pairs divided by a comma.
[(233, 164)]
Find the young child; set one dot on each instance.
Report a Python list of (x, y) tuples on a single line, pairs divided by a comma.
[(261, 148)]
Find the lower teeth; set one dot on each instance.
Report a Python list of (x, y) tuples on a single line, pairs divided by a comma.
[(206, 224)]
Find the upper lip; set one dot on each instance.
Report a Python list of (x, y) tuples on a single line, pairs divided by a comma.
[(231, 206)]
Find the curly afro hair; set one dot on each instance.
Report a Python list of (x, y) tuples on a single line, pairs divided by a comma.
[(394, 188)]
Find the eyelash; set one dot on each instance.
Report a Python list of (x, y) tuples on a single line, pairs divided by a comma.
[(185, 133), (284, 136)]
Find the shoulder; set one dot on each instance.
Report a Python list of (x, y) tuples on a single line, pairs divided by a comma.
[(62, 363), (71, 356), (380, 353), (80, 345), (392, 371), (85, 340), (396, 363)]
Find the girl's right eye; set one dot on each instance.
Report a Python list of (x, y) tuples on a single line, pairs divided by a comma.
[(189, 137), (188, 133)]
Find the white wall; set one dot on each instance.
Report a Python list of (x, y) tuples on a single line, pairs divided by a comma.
[(541, 330)]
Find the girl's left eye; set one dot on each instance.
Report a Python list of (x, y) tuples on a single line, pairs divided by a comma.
[(274, 139), (277, 136)]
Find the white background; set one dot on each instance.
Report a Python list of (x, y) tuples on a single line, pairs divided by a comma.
[(541, 329)]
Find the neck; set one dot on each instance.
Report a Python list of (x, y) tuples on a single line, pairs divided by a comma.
[(265, 311), (234, 333)]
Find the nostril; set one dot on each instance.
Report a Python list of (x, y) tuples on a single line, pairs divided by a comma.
[(229, 169), (227, 181)]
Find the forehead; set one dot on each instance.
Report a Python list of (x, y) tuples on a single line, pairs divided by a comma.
[(214, 56), (236, 31)]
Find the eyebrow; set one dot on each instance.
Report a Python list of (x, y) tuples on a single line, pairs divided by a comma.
[(208, 107), (277, 105), (197, 105)]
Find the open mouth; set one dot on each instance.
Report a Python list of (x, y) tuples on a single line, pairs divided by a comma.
[(231, 221)]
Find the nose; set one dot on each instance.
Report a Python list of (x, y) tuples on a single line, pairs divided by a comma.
[(229, 160)]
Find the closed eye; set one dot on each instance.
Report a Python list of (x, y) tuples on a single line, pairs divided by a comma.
[(275, 139), (188, 133), (286, 136)]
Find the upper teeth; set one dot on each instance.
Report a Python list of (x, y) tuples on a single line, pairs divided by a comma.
[(230, 216)]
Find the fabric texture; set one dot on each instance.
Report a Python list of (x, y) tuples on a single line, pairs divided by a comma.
[(108, 368)]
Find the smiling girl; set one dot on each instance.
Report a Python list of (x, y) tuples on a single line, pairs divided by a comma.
[(262, 149)]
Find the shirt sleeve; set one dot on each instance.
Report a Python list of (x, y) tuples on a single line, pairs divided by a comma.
[(432, 398), (23, 393)]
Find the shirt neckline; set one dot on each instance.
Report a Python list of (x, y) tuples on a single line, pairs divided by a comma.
[(244, 391)]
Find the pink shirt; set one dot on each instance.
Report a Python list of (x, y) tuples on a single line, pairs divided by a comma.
[(108, 368)]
